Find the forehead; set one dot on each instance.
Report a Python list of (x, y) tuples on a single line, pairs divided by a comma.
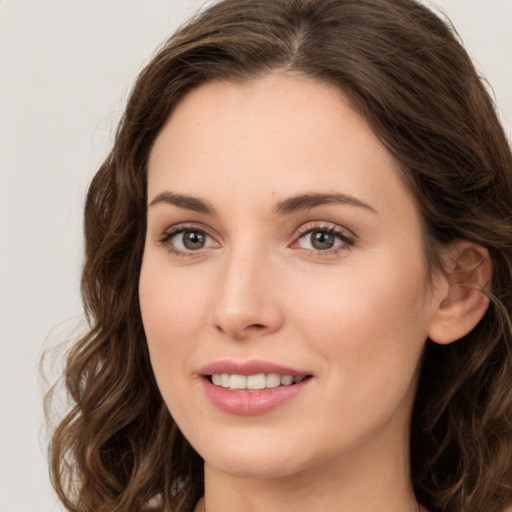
[(274, 136)]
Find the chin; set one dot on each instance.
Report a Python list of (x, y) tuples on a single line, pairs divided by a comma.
[(256, 467), (249, 457)]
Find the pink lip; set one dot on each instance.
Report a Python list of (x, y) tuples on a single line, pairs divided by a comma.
[(249, 368), (250, 403)]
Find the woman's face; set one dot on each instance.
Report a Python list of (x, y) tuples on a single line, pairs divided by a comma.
[(283, 254)]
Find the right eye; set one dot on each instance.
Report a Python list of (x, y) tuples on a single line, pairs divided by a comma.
[(183, 240)]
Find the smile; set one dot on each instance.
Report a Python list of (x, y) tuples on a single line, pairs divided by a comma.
[(253, 387), (257, 382)]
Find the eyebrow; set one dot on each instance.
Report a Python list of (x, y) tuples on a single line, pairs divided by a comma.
[(186, 202), (293, 204), (304, 202)]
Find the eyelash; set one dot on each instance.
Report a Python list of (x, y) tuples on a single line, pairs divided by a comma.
[(176, 230), (346, 238)]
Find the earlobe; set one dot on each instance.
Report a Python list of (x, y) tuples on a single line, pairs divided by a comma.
[(463, 302)]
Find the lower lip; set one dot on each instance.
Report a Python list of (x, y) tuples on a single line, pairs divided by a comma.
[(251, 403)]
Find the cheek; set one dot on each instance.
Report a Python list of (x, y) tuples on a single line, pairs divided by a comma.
[(369, 331), (379, 297), (368, 320), (173, 306)]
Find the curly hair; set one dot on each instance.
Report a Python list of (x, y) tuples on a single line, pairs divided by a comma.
[(404, 69)]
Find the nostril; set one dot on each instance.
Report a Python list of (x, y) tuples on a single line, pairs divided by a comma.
[(255, 326)]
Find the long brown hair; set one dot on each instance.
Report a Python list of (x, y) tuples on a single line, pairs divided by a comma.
[(402, 67)]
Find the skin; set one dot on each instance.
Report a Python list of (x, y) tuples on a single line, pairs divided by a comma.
[(355, 318)]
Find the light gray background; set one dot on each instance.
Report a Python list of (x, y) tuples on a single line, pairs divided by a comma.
[(66, 67)]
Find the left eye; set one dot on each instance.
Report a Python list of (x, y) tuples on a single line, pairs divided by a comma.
[(322, 240)]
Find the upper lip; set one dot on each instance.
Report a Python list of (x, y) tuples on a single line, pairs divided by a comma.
[(252, 367)]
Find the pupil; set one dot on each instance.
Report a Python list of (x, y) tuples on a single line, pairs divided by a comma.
[(193, 240), (322, 240)]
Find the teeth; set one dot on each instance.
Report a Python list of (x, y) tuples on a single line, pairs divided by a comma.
[(286, 380), (238, 382), (273, 380), (258, 381), (224, 380), (254, 382)]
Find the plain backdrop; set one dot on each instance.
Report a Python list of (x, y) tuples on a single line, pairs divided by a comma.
[(66, 67)]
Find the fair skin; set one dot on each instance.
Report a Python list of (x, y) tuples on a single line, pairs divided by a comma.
[(239, 267)]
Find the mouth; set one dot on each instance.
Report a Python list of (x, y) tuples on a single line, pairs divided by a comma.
[(254, 382), (252, 387)]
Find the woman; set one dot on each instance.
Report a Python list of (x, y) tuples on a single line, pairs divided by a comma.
[(298, 274)]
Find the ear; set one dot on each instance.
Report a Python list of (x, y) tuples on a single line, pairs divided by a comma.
[(461, 303)]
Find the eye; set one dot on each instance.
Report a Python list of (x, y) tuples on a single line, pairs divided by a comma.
[(190, 240), (183, 240), (320, 240), (324, 239)]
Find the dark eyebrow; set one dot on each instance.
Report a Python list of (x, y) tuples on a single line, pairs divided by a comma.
[(186, 202), (307, 201)]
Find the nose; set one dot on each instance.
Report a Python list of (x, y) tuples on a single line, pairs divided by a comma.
[(247, 304)]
